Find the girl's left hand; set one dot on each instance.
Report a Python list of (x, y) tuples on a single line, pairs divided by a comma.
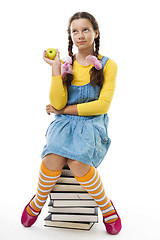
[(50, 109)]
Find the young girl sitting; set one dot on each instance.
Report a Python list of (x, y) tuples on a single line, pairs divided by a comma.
[(81, 92)]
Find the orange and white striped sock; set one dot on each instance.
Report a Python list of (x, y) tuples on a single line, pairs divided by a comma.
[(92, 183), (47, 179)]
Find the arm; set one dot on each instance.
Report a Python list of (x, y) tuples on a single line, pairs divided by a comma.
[(70, 109), (58, 93), (101, 105)]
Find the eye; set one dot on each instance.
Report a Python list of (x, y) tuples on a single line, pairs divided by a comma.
[(86, 29), (74, 31)]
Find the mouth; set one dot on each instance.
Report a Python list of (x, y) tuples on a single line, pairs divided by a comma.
[(81, 42)]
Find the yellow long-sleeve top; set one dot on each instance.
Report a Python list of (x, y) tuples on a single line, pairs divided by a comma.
[(58, 91)]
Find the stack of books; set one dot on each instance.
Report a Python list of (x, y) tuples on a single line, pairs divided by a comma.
[(71, 206)]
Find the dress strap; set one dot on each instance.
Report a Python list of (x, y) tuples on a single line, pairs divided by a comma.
[(103, 61)]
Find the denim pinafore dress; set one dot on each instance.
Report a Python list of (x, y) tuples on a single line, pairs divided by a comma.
[(81, 138)]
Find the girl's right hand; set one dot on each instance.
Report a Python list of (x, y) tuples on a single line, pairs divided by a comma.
[(55, 61), (47, 60)]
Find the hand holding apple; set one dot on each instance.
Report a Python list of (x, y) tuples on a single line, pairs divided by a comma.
[(56, 63)]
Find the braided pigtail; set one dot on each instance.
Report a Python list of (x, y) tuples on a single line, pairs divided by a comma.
[(70, 46), (96, 76), (97, 43), (69, 77)]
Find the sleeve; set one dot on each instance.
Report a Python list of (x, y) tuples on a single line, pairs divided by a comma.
[(58, 93), (101, 105)]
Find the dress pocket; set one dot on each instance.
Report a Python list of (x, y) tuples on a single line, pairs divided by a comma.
[(102, 133), (104, 137)]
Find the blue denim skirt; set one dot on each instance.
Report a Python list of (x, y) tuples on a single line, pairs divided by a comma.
[(81, 138)]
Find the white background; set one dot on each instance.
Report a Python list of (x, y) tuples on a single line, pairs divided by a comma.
[(130, 171)]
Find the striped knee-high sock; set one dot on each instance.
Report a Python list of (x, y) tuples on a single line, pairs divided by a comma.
[(92, 183), (47, 179)]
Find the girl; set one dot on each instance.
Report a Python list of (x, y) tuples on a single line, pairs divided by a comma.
[(81, 93)]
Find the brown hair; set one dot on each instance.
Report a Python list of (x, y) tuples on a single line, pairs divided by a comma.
[(96, 76)]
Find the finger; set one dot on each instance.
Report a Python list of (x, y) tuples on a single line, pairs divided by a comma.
[(44, 56), (45, 52), (49, 107), (57, 53)]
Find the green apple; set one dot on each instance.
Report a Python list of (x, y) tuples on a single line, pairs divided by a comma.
[(51, 53)]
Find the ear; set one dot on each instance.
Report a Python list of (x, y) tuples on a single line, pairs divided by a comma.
[(96, 34)]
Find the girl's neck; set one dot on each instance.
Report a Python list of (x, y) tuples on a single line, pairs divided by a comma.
[(81, 56)]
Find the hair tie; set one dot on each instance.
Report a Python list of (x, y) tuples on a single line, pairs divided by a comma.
[(90, 59), (67, 66)]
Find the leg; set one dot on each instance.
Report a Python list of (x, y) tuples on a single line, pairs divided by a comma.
[(50, 171), (54, 162), (78, 168), (90, 180)]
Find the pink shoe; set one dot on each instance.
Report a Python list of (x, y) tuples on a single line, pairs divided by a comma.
[(26, 219), (115, 227)]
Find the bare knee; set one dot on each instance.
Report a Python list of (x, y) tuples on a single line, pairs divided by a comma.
[(54, 162), (78, 169)]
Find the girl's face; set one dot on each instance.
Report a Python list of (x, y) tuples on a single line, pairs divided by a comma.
[(83, 34)]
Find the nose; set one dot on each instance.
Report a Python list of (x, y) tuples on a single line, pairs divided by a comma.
[(81, 35)]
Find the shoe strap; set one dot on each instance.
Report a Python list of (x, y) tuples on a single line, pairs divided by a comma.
[(110, 215), (114, 208), (32, 207)]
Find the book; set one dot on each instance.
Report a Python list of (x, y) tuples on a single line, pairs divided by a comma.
[(71, 225), (69, 180), (66, 172), (68, 188), (75, 217), (81, 210), (71, 203), (71, 206), (70, 195)]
